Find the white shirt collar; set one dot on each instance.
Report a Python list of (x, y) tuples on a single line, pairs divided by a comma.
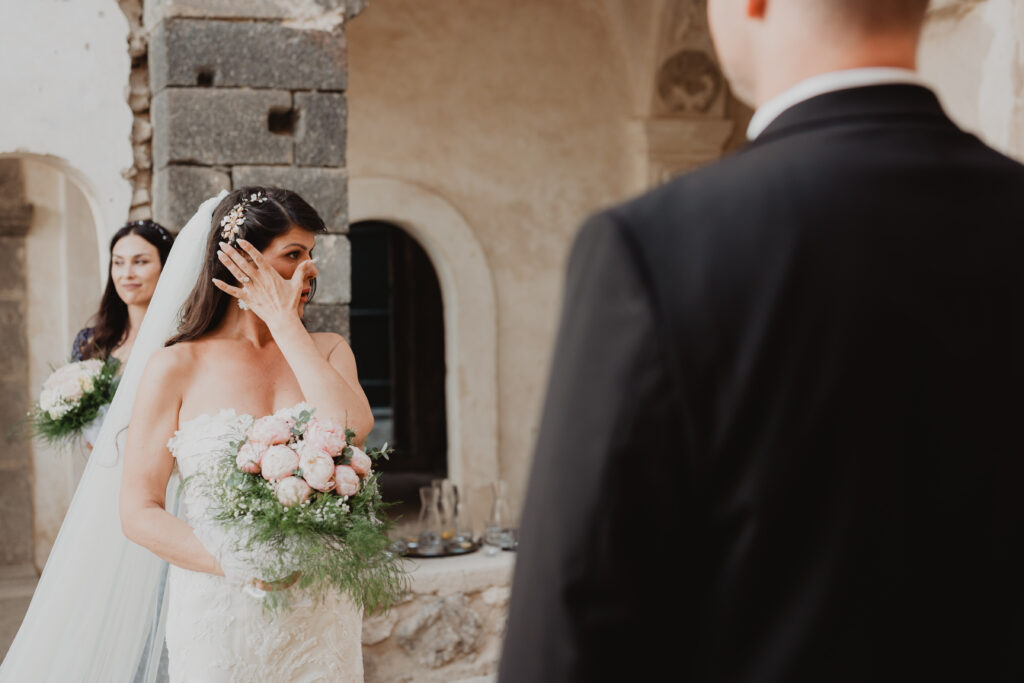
[(825, 83)]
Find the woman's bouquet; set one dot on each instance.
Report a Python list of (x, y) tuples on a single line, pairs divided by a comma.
[(73, 397), (304, 506)]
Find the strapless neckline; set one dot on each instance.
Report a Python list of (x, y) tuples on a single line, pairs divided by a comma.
[(206, 417)]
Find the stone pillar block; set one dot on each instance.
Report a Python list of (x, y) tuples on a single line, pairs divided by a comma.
[(15, 516), (326, 189), (320, 140), (12, 332), (12, 270), (214, 126), (179, 190), (334, 261), (225, 54), (327, 318)]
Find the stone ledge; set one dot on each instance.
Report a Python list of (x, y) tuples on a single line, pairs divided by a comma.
[(466, 574)]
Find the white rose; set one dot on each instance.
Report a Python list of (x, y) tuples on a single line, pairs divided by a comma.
[(48, 399)]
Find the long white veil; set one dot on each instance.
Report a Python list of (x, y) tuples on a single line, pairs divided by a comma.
[(96, 614)]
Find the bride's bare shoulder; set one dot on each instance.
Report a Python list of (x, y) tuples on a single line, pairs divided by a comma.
[(171, 362), (329, 342)]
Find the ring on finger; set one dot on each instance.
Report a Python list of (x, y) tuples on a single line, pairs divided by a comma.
[(246, 279)]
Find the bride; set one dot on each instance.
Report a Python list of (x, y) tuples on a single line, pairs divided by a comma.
[(238, 350), (252, 358)]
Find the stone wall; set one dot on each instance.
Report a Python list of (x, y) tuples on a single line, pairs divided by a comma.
[(254, 94), (524, 118), (449, 628)]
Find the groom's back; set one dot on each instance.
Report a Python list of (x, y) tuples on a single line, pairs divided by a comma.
[(842, 301)]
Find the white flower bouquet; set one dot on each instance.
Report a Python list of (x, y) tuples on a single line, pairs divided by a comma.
[(72, 398), (304, 505)]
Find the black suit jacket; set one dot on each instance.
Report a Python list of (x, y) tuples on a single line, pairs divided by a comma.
[(782, 433)]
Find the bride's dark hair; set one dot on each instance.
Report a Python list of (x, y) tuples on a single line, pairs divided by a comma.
[(283, 210)]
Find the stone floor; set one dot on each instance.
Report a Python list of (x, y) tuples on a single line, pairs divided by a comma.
[(16, 585)]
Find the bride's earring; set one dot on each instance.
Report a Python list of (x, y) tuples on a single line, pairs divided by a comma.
[(244, 306)]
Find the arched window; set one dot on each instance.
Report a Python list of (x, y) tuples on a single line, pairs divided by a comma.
[(397, 330)]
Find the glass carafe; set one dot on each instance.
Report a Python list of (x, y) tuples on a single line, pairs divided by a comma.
[(500, 531), (429, 541)]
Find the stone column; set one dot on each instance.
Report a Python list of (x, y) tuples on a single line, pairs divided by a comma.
[(16, 455), (254, 93)]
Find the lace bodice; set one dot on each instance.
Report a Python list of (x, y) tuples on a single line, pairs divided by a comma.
[(218, 632)]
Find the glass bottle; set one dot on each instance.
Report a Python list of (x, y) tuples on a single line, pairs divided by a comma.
[(499, 533), (429, 541)]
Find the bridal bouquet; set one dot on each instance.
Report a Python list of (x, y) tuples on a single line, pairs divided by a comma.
[(304, 504), (72, 398)]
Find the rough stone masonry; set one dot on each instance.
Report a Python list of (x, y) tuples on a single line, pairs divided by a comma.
[(241, 100)]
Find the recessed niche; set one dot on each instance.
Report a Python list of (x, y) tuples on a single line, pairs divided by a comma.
[(282, 121), (204, 77)]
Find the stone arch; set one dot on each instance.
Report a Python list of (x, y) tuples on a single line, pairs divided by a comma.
[(80, 180), (470, 316)]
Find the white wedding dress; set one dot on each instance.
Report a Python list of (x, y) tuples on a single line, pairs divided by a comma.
[(216, 631)]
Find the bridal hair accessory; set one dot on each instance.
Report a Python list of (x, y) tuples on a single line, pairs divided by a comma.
[(164, 235), (232, 222)]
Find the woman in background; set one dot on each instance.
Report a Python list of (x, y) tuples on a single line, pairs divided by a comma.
[(137, 255)]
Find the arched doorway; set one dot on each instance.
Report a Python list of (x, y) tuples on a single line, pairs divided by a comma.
[(52, 275), (397, 331)]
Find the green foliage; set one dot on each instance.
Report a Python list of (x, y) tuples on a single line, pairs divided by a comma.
[(332, 543), (64, 430)]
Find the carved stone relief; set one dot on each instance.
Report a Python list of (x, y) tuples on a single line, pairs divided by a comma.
[(689, 82)]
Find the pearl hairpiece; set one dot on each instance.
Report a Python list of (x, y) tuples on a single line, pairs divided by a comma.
[(232, 222), (164, 235)]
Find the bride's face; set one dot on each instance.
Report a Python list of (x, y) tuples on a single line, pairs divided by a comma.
[(286, 251)]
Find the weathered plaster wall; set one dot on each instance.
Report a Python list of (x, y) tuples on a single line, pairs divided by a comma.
[(973, 53), (61, 254), (514, 114), (64, 86)]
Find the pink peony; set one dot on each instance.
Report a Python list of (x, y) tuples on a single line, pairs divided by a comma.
[(325, 435), (292, 491), (271, 430), (248, 459), (360, 462), (317, 468), (278, 462), (346, 480)]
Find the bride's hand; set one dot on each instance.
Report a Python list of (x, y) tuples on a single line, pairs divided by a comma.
[(263, 290)]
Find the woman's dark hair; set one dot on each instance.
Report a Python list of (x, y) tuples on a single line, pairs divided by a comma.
[(110, 324), (264, 220)]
